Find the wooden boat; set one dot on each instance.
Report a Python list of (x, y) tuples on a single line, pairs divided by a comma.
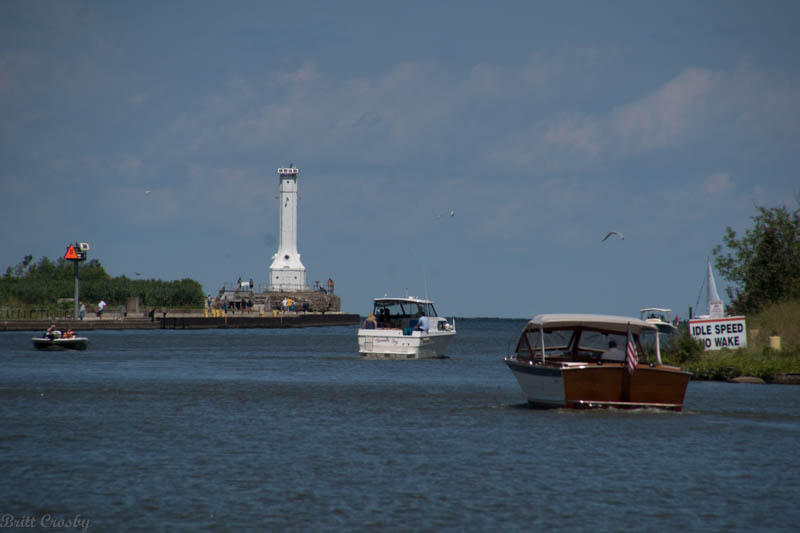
[(567, 360), (57, 343), (395, 336)]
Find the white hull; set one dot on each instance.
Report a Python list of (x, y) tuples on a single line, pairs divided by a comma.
[(74, 343), (541, 386), (393, 344)]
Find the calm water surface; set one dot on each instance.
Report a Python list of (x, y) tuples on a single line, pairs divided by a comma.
[(287, 430)]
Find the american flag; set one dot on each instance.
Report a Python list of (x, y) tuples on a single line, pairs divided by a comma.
[(631, 355)]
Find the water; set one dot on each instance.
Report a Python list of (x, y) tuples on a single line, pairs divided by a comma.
[(287, 430)]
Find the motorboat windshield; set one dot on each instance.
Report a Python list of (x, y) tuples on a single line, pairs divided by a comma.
[(575, 343), (404, 308), (580, 338)]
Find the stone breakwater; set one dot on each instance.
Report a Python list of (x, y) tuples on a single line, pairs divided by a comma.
[(190, 321)]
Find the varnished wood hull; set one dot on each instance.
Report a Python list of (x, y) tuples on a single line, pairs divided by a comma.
[(607, 385)]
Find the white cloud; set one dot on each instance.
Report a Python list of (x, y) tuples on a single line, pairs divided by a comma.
[(698, 107), (718, 183), (419, 111), (130, 163), (575, 133), (658, 120), (307, 73)]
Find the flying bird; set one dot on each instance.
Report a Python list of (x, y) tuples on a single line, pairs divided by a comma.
[(452, 214), (610, 233), (148, 191)]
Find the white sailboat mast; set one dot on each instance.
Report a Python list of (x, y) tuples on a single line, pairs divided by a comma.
[(716, 309)]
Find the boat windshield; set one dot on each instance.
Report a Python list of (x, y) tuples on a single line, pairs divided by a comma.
[(596, 342), (556, 342), (574, 343), (403, 309)]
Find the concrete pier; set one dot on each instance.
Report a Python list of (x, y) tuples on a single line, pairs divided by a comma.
[(187, 321)]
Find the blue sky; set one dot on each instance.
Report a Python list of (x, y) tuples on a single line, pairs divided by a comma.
[(541, 125)]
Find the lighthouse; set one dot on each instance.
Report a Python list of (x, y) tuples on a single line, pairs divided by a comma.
[(286, 271)]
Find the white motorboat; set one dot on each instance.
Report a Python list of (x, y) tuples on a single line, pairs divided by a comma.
[(60, 343), (395, 333), (660, 317)]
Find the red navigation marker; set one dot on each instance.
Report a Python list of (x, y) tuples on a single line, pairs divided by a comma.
[(71, 253)]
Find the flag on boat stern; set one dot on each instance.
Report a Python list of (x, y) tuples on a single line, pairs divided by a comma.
[(631, 355)]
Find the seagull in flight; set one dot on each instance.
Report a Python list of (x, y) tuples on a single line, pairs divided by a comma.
[(148, 191), (610, 233), (452, 214)]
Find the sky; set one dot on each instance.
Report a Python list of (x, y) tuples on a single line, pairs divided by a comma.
[(540, 125)]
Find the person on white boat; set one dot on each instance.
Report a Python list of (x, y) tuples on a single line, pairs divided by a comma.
[(613, 353), (386, 318), (52, 332), (370, 322), (422, 323)]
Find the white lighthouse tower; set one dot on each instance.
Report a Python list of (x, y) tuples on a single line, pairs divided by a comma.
[(286, 271)]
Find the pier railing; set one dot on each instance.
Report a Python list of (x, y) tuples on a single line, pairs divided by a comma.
[(35, 313), (245, 286)]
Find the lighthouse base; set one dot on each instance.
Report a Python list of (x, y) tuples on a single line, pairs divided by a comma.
[(287, 279), (318, 301)]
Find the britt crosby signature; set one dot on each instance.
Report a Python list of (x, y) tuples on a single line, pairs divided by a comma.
[(45, 521)]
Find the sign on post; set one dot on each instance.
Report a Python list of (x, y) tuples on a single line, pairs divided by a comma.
[(717, 333), (77, 253)]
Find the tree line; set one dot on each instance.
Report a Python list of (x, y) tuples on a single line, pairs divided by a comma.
[(763, 264), (44, 282)]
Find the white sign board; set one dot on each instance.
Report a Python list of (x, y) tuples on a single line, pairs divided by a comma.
[(716, 309), (717, 333)]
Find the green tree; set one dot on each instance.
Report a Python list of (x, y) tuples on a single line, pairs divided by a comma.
[(763, 265), (44, 282), (18, 270)]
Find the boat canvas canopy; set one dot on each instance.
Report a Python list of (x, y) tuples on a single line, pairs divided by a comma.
[(614, 323), (655, 310)]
